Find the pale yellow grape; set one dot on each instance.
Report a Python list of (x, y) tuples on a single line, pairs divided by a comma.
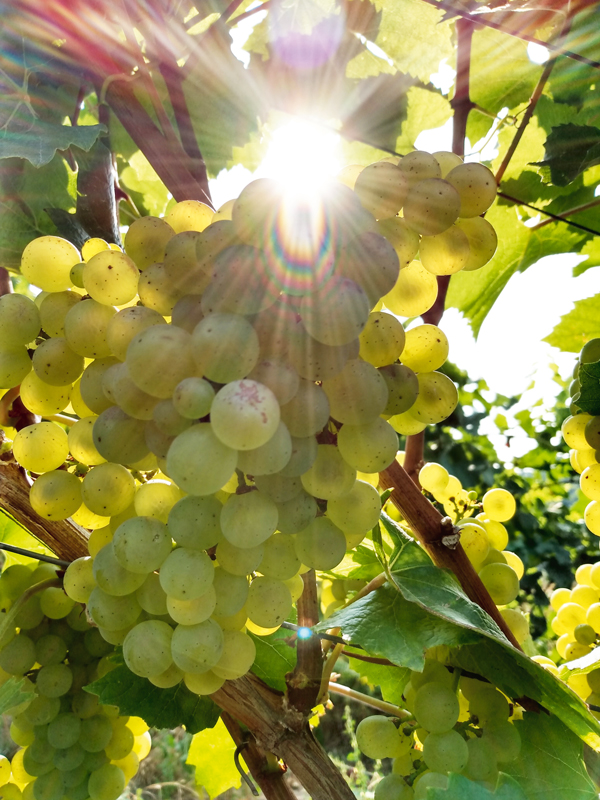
[(594, 575), (159, 358), (168, 419), (517, 622), (321, 545), (141, 544), (414, 293), (403, 388), (47, 261), (157, 290), (193, 397), (575, 650), (41, 398), (433, 477), (483, 241), (445, 253), (225, 347), (574, 461), (571, 615), (191, 612), (254, 211), (474, 541), (194, 522), (330, 475), (426, 348), (53, 310), (81, 442), (447, 161), (126, 324), (248, 520), (186, 574), (146, 240), (239, 284), (476, 187), (431, 206), (295, 514), (56, 363), (336, 313), (436, 707), (438, 397), (501, 581), (79, 579), (205, 683), (244, 414), (118, 437), (147, 648), (108, 489), (122, 391), (496, 532), (269, 602), (85, 328), (239, 560), (112, 577), (382, 339), (199, 462), (418, 166), (189, 215), (401, 236), (307, 412), (499, 505), (224, 211), (231, 591), (41, 447), (99, 538), (372, 263), (513, 560), (20, 320), (280, 560), (559, 597), (562, 643), (111, 278), (239, 652), (593, 617), (156, 499), (197, 648), (378, 737), (166, 680), (349, 174), (381, 188), (357, 511), (302, 457), (56, 495), (591, 516), (586, 458), (151, 596), (585, 596), (88, 391), (271, 457), (76, 275), (573, 431), (369, 448), (314, 360), (358, 394), (280, 377), (187, 312), (589, 482)]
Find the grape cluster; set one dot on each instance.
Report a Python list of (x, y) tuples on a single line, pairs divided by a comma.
[(231, 386), (581, 432), (70, 744), (462, 725), (483, 537)]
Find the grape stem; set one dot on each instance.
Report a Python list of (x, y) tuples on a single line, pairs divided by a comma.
[(372, 702), (9, 620)]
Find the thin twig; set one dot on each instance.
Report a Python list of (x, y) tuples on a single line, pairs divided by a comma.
[(553, 217), (328, 671), (10, 548), (577, 210), (373, 702)]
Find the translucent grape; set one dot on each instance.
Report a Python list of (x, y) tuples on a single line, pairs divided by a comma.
[(86, 324), (369, 448), (106, 783), (403, 388), (307, 412), (382, 340), (244, 415), (239, 652), (438, 397), (446, 253), (189, 215), (501, 581), (330, 475), (239, 560), (358, 394), (433, 477), (194, 522), (205, 683), (417, 166), (47, 261), (91, 393), (41, 398), (483, 241), (321, 545), (271, 457), (280, 560), (56, 363), (141, 544), (20, 320), (426, 348), (159, 358), (157, 290), (476, 187), (248, 520), (499, 505), (314, 360), (79, 580), (53, 310), (108, 489), (240, 283), (41, 447), (358, 510), (113, 613), (431, 206), (371, 262), (297, 513), (436, 707), (225, 347), (186, 574), (193, 397), (404, 240), (269, 602), (378, 737), (81, 442), (56, 495), (111, 278), (128, 323), (336, 313), (281, 378), (381, 188), (414, 293), (445, 752), (119, 438), (146, 240), (197, 648), (199, 462), (111, 576), (231, 592), (191, 612), (122, 391), (394, 787), (156, 499), (304, 452), (147, 648)]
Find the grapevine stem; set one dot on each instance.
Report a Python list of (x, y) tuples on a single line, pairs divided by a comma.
[(10, 548), (305, 681), (328, 670), (9, 619), (373, 702)]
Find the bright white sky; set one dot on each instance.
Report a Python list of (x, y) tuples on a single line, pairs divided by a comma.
[(509, 352)]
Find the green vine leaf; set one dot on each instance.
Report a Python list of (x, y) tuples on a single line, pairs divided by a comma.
[(211, 753), (577, 327), (275, 657), (39, 143), (569, 150), (589, 377), (459, 786), (159, 708), (14, 692)]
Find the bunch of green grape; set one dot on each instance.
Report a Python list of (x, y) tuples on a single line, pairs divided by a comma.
[(581, 432), (70, 744), (231, 388), (460, 724), (484, 538)]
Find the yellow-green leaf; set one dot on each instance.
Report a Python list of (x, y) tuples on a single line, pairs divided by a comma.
[(211, 753)]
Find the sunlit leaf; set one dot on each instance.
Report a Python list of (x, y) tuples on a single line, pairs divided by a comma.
[(211, 753)]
